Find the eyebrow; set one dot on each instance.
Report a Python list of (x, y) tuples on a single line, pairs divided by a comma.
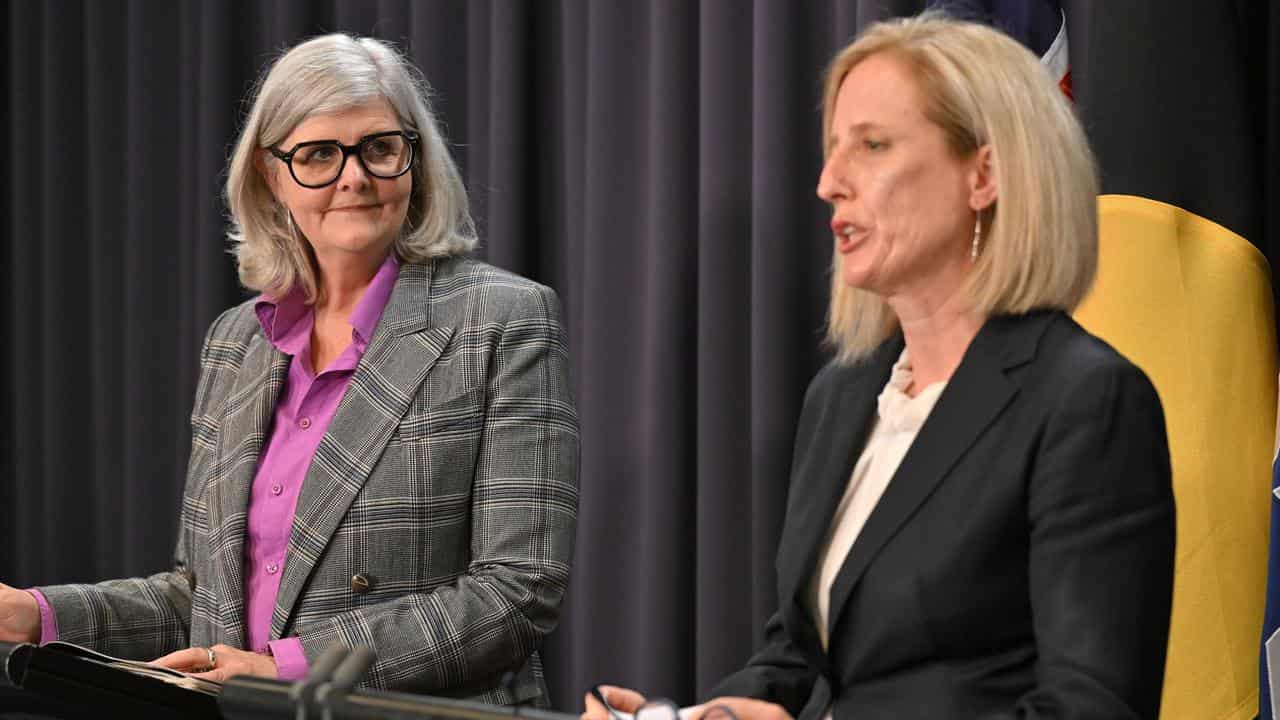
[(335, 141), (864, 125), (856, 128)]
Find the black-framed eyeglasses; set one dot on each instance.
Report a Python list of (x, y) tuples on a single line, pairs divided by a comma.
[(317, 163)]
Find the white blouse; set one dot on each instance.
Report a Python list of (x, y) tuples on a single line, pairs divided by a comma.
[(899, 418)]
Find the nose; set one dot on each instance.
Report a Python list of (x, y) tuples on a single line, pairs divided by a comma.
[(832, 185), (353, 176)]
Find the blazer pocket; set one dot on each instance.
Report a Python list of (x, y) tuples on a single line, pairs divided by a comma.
[(430, 420)]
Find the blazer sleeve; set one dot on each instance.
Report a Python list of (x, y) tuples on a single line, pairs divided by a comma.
[(1101, 515), (524, 500), (778, 673), (143, 618)]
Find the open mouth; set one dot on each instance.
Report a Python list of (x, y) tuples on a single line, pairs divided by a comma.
[(847, 235)]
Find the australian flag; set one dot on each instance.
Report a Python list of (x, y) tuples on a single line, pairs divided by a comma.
[(1038, 24), (1270, 685)]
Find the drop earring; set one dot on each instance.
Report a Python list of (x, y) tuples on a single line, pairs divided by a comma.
[(295, 232), (977, 235)]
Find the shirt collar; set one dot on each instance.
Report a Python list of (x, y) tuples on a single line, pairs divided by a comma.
[(364, 319), (899, 411), (287, 322)]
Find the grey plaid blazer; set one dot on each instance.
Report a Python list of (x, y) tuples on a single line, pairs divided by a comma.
[(448, 478)]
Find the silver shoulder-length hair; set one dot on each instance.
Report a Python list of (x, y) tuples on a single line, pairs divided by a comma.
[(323, 75)]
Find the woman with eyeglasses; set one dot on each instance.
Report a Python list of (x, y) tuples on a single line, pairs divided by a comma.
[(384, 447)]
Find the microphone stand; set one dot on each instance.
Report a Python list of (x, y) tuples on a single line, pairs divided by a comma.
[(302, 693), (344, 678)]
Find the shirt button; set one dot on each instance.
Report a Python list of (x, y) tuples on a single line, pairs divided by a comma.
[(272, 569), (304, 423), (276, 489)]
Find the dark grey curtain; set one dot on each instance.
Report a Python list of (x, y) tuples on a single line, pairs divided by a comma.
[(653, 161)]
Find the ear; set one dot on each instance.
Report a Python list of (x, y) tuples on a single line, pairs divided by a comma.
[(984, 186)]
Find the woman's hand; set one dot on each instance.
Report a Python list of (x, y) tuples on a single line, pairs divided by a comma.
[(19, 616), (229, 662), (742, 709), (620, 699)]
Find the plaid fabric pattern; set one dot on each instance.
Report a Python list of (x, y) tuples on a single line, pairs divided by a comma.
[(448, 478)]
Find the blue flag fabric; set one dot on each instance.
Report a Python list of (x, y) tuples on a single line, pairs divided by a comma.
[(1270, 661), (1034, 23), (1038, 24)]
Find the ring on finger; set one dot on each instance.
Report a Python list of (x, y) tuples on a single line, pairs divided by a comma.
[(213, 658)]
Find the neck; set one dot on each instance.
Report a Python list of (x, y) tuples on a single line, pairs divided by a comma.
[(343, 281), (937, 334)]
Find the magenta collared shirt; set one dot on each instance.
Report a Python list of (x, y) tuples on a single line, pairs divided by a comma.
[(304, 410)]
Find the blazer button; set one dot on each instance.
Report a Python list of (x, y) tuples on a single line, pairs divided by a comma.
[(360, 584)]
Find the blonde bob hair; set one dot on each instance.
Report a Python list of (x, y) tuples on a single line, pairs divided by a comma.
[(324, 75), (1040, 237)]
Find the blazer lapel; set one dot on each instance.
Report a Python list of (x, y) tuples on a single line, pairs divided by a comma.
[(841, 430), (246, 420), (976, 394), (402, 351)]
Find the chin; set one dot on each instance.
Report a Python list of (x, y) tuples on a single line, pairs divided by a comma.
[(858, 277)]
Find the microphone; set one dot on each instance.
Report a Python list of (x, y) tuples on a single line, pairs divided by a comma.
[(344, 678), (351, 669), (302, 692), (509, 682)]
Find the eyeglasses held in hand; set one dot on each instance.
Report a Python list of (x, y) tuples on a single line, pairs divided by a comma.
[(663, 709)]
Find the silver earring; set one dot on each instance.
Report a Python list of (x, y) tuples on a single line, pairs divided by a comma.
[(977, 234)]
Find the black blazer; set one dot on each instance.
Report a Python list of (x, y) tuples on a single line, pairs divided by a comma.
[(1020, 563)]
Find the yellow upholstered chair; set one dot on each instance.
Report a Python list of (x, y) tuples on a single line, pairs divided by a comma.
[(1190, 303)]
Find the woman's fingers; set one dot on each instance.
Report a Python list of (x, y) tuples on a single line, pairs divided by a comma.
[(593, 709), (189, 660), (620, 698), (232, 662), (729, 708)]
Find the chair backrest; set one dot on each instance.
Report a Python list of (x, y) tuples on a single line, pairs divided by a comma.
[(1190, 303)]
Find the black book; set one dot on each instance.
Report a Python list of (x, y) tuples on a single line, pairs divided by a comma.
[(109, 685)]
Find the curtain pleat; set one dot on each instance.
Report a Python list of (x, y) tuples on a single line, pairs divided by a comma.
[(26, 224), (721, 583)]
